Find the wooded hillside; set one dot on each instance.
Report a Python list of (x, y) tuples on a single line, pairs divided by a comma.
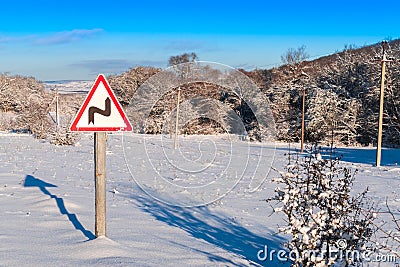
[(342, 99)]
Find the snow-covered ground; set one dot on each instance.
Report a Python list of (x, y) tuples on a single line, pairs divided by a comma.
[(47, 201), (69, 86)]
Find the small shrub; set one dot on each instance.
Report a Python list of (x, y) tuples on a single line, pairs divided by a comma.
[(64, 138), (315, 196)]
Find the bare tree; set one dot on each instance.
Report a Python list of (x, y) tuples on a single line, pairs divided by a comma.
[(295, 56), (184, 58)]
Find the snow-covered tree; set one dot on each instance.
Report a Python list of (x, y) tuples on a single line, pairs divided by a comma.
[(27, 102), (315, 195), (331, 117)]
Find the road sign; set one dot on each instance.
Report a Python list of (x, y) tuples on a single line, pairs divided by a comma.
[(101, 111)]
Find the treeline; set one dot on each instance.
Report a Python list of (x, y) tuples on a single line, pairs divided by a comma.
[(342, 97), (24, 105), (27, 107), (342, 100)]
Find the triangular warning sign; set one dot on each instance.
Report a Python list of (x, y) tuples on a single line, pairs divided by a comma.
[(101, 111)]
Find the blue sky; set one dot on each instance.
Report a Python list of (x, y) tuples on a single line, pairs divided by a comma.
[(53, 40)]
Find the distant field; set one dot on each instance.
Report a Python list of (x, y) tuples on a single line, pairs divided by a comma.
[(69, 86)]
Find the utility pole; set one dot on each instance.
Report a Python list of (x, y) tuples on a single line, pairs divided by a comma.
[(381, 98), (303, 109), (170, 121), (177, 119), (57, 111), (302, 120)]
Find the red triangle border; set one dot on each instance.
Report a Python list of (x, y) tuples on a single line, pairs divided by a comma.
[(74, 128)]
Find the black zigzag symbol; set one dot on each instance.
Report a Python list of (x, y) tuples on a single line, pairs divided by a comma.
[(106, 112)]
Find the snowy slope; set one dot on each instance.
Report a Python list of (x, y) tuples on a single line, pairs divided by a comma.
[(47, 206), (68, 86)]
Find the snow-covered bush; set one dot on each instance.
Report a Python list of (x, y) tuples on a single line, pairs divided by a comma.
[(64, 138), (388, 237), (26, 101), (320, 210)]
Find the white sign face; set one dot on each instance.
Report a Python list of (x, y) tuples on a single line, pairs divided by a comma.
[(101, 111)]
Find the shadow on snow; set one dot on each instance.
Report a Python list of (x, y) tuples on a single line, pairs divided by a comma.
[(31, 181), (390, 156), (216, 229)]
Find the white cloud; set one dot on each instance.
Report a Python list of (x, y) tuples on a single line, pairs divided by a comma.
[(183, 44), (114, 65), (62, 37), (4, 39), (67, 36), (189, 45)]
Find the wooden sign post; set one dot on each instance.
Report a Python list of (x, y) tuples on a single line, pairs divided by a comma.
[(100, 139), (100, 113)]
